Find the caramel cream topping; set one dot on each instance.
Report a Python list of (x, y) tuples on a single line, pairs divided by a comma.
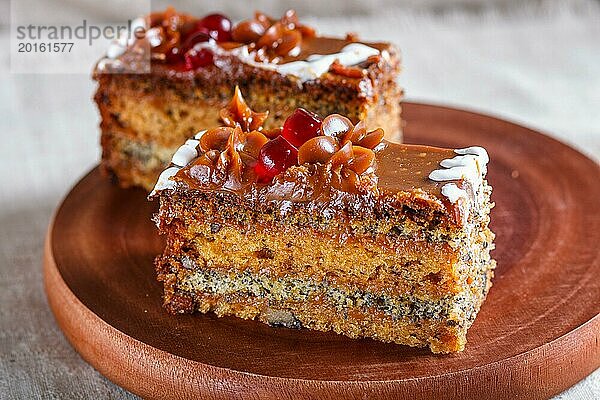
[(343, 159)]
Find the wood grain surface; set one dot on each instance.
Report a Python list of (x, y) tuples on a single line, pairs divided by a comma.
[(537, 333)]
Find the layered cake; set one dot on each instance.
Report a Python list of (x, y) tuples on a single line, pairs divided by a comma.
[(326, 225), (174, 72)]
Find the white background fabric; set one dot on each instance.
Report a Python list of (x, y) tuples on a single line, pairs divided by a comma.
[(534, 62)]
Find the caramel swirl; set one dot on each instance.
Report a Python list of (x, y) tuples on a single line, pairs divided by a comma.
[(238, 113), (166, 30), (229, 155), (317, 150), (272, 38)]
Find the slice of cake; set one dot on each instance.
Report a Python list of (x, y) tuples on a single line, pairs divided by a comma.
[(327, 226), (175, 73)]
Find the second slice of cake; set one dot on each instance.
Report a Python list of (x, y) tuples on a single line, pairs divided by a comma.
[(326, 225)]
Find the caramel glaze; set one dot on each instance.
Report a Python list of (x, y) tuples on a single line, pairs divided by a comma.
[(324, 46), (405, 168), (402, 186)]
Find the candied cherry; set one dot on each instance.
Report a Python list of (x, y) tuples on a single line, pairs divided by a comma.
[(275, 157), (218, 25), (198, 36), (301, 126), (198, 58), (174, 56)]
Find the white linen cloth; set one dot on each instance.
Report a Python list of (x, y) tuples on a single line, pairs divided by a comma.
[(538, 65)]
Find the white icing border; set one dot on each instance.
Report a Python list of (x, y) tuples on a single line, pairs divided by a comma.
[(198, 135), (317, 64), (453, 192), (469, 165), (182, 157), (127, 38), (311, 68), (165, 181), (185, 153)]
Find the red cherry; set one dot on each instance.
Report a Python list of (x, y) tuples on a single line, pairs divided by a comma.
[(275, 156), (218, 25), (174, 56), (198, 58), (198, 36), (301, 126)]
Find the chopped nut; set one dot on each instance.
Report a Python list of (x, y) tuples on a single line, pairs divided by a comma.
[(352, 37), (350, 72)]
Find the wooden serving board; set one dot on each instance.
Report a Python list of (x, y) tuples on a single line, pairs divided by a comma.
[(537, 333)]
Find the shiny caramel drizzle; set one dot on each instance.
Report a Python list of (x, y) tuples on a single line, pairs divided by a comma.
[(341, 156)]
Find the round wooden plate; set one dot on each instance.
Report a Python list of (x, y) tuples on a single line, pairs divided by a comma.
[(537, 333)]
